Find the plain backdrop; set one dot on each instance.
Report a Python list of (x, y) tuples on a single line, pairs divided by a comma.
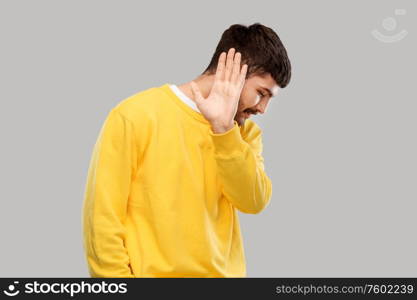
[(339, 142)]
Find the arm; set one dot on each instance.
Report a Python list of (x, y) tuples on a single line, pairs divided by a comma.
[(106, 197), (239, 161), (241, 168)]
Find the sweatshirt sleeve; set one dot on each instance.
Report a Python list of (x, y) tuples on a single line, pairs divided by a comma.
[(111, 168), (240, 166)]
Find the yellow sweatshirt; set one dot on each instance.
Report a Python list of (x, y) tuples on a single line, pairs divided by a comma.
[(163, 190)]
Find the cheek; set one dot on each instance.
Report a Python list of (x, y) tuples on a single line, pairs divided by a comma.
[(249, 102)]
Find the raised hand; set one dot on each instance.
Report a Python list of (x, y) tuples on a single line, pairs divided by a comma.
[(220, 106)]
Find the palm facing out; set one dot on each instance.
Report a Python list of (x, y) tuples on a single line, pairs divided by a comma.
[(220, 107)]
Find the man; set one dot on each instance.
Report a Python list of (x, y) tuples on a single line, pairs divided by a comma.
[(172, 165)]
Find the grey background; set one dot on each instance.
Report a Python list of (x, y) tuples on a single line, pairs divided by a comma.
[(339, 141)]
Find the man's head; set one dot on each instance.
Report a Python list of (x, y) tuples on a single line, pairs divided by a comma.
[(269, 68)]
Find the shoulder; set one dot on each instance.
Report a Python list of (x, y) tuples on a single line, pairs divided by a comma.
[(140, 110), (140, 106)]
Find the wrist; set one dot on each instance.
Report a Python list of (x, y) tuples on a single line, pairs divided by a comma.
[(222, 128)]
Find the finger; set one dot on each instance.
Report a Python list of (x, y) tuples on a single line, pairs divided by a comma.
[(236, 69), (229, 64), (220, 67), (198, 97), (242, 76)]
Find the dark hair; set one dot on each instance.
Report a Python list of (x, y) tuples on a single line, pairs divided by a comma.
[(261, 49)]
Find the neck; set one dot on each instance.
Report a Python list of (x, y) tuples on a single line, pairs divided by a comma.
[(204, 83)]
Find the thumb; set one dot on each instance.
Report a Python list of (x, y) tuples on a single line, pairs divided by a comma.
[(198, 97)]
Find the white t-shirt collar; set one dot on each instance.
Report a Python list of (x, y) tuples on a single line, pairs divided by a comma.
[(184, 97)]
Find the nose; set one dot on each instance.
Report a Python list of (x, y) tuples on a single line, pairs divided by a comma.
[(261, 107)]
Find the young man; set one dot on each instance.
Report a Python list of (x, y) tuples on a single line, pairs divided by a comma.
[(172, 165)]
